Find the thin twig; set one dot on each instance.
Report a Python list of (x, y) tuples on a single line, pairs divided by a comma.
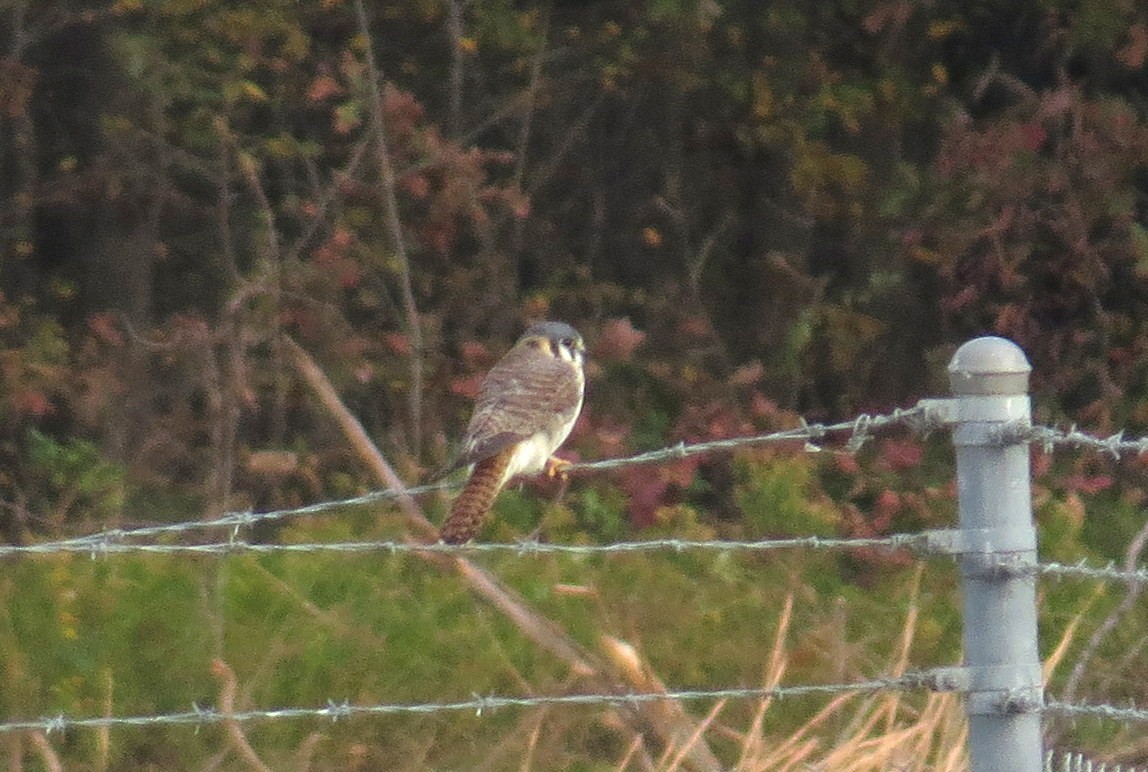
[(360, 441), (47, 753), (454, 98), (1131, 561), (395, 229), (226, 675)]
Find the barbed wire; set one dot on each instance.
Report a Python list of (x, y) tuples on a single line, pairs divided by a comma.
[(859, 431), (478, 705), (913, 541), (96, 548), (245, 519), (1050, 438), (916, 542), (335, 710), (922, 419), (1130, 714), (1070, 761), (1082, 570)]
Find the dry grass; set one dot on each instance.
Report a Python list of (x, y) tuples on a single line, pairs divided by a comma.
[(851, 733), (855, 732)]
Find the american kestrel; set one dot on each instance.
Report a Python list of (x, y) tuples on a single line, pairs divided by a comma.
[(526, 407)]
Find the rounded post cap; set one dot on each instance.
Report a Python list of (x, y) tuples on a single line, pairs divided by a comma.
[(989, 365)]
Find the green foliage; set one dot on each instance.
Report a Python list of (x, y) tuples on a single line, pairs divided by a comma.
[(137, 635), (75, 475), (778, 497)]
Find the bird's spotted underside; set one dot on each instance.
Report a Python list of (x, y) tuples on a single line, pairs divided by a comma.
[(525, 409)]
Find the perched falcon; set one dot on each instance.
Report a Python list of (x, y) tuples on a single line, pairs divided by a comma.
[(525, 410)]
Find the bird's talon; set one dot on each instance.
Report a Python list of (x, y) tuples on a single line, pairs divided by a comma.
[(558, 467)]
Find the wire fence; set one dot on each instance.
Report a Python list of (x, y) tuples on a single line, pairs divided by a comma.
[(855, 434), (477, 705), (850, 437), (110, 543)]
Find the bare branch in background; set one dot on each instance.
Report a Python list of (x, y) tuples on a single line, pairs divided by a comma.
[(222, 671), (1131, 563), (395, 229), (457, 53)]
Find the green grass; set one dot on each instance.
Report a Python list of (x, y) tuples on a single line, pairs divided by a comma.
[(127, 635)]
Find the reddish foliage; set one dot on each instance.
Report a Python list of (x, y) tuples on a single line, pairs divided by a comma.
[(475, 354), (644, 494), (398, 342), (617, 340), (31, 402), (105, 328), (847, 463), (747, 374), (1088, 483), (403, 113), (901, 454), (650, 488), (888, 503), (467, 385), (416, 184), (1135, 52), (323, 87)]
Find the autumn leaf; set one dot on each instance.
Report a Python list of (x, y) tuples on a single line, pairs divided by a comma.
[(323, 87), (617, 340)]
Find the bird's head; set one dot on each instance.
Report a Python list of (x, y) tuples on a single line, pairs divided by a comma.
[(556, 339)]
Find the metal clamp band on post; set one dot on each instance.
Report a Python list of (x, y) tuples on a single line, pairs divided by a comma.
[(992, 690), (996, 547)]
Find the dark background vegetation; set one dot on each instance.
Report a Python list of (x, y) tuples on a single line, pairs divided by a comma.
[(752, 211)]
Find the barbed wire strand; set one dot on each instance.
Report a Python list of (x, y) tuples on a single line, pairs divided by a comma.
[(1082, 570), (1050, 438), (335, 710), (1071, 761), (107, 547), (859, 430), (1128, 714), (921, 419), (237, 520), (913, 541)]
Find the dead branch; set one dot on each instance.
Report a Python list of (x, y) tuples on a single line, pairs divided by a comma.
[(1131, 561), (47, 754), (395, 228), (226, 675)]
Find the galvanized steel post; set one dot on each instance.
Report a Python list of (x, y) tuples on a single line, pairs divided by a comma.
[(997, 547)]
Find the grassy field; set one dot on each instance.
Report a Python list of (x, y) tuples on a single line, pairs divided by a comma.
[(142, 635)]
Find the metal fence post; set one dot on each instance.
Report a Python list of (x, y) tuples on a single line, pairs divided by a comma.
[(989, 378)]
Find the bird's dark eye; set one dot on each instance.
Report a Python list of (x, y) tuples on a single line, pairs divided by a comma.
[(568, 343)]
